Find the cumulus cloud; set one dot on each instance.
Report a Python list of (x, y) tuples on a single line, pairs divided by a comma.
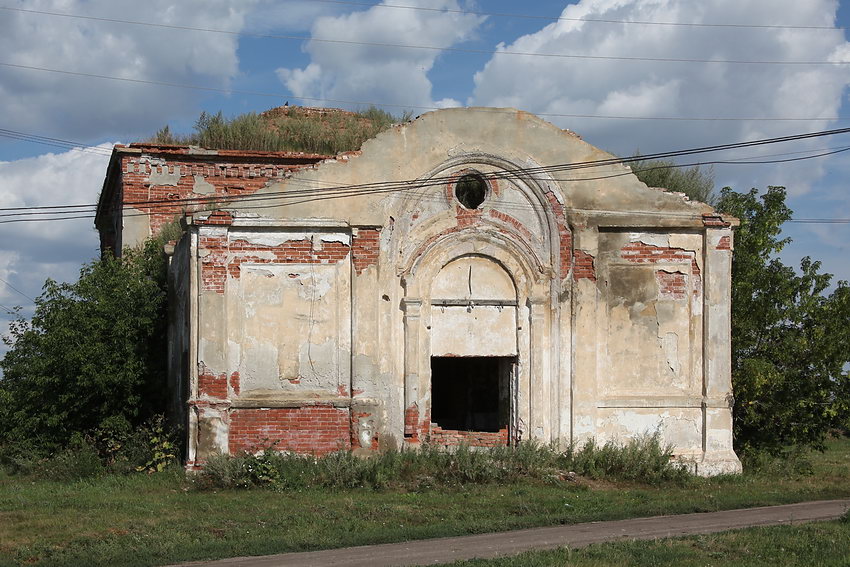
[(85, 108), (576, 86), (674, 89), (374, 73), (30, 252)]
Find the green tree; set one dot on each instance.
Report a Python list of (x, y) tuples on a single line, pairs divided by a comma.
[(790, 338), (92, 356), (696, 182)]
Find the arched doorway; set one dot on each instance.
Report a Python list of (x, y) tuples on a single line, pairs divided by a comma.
[(473, 338)]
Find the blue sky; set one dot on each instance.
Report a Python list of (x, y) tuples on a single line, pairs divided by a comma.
[(100, 112)]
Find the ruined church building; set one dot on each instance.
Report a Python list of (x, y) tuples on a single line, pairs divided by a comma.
[(457, 280)]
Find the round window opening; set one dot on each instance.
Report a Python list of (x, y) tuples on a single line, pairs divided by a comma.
[(471, 190)]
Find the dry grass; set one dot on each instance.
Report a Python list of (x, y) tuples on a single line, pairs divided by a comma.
[(316, 131)]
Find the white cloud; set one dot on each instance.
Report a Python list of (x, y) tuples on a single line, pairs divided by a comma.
[(375, 73), (65, 106), (671, 89), (30, 252)]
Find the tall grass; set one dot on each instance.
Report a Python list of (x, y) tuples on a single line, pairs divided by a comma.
[(642, 460), (296, 130)]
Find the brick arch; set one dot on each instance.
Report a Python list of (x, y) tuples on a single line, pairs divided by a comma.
[(540, 190)]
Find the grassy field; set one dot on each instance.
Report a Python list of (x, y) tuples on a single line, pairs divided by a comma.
[(819, 544), (160, 519)]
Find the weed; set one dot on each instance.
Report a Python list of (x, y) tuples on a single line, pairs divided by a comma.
[(305, 130), (793, 462), (642, 460)]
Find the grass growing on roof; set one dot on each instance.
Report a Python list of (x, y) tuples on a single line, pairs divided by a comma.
[(296, 129)]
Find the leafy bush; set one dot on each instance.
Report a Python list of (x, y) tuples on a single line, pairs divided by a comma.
[(77, 461), (92, 359), (116, 450), (790, 334)]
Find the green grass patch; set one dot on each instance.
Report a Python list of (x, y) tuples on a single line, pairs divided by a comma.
[(822, 544), (161, 518), (303, 130)]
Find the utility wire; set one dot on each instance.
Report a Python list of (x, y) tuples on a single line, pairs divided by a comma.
[(513, 172), (527, 171), (361, 103), (16, 289), (431, 47), (56, 142), (340, 192), (589, 20), (10, 311)]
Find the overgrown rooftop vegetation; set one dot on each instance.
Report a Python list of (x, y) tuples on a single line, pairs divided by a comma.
[(287, 128)]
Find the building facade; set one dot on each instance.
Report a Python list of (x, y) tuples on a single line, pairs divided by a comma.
[(474, 276)]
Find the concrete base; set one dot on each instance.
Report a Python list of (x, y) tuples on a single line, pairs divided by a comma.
[(718, 462)]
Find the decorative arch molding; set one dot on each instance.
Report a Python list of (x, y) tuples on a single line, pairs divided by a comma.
[(540, 190), (530, 277)]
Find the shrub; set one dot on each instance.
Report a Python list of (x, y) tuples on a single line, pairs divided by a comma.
[(92, 357), (792, 462), (79, 460), (641, 460)]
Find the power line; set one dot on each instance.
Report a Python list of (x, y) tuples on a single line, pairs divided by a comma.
[(504, 174), (588, 20), (16, 289), (468, 50), (517, 171), (9, 311), (333, 192), (55, 142), (278, 95)]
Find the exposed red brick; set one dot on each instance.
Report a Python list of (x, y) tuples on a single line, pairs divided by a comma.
[(467, 217), (725, 243), (212, 385), (714, 220), (234, 382), (411, 423), (222, 218), (565, 237), (365, 247), (224, 259), (453, 438), (642, 253), (672, 284), (583, 267), (317, 429), (229, 172), (511, 221)]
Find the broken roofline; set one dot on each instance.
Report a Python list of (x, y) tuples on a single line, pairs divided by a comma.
[(198, 154)]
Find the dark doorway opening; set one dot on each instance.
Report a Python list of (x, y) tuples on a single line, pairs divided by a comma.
[(471, 393)]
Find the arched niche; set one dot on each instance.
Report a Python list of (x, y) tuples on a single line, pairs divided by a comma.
[(473, 309)]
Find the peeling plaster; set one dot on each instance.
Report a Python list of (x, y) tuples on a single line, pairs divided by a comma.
[(277, 238), (202, 187)]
